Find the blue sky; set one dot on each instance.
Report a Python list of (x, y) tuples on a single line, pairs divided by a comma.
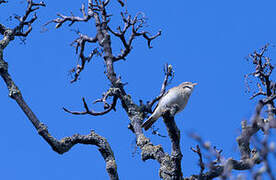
[(205, 41)]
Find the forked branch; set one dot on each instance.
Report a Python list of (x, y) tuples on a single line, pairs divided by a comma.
[(72, 19), (79, 44), (112, 92), (91, 112), (135, 24), (19, 30)]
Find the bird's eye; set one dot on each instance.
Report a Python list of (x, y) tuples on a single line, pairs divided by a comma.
[(186, 87)]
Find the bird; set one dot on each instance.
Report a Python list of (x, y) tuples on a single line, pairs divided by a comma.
[(177, 96)]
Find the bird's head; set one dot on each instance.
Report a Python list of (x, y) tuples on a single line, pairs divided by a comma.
[(187, 85)]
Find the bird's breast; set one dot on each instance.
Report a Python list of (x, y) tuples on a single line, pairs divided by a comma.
[(175, 98)]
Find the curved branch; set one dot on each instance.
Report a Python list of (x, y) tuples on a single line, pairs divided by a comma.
[(79, 44), (65, 144), (91, 112), (121, 3), (258, 94)]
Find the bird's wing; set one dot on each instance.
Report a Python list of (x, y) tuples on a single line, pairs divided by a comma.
[(160, 99)]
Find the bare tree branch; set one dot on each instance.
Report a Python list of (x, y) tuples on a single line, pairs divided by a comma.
[(249, 130), (201, 164), (147, 108), (19, 30), (174, 134), (135, 24), (258, 94), (9, 34), (2, 29), (249, 158), (79, 44), (221, 166), (65, 144), (263, 70), (72, 19), (108, 107), (121, 3), (91, 112)]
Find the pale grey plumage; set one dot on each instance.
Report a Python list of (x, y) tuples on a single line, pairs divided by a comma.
[(178, 96)]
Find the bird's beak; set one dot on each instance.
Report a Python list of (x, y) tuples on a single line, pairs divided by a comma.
[(194, 84)]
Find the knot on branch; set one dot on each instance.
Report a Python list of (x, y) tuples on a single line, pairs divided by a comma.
[(150, 151), (142, 140), (13, 90), (42, 128)]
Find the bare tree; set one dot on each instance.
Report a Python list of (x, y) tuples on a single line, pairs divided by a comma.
[(222, 166), (170, 163)]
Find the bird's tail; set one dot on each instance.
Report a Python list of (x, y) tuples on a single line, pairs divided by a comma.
[(149, 122)]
